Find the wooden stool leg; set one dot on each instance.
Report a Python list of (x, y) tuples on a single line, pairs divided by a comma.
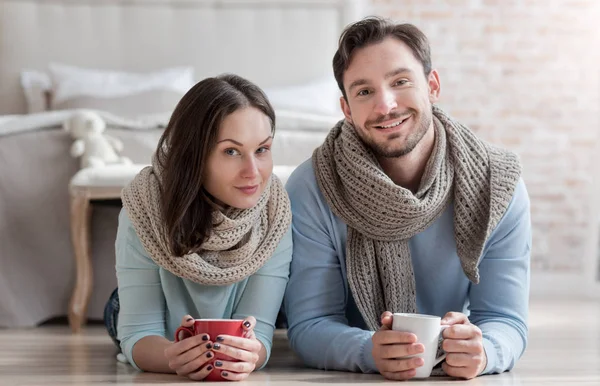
[(81, 240)]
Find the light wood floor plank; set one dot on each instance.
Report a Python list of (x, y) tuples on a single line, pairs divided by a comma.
[(564, 349)]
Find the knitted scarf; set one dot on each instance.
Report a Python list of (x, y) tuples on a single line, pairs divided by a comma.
[(477, 178), (241, 242)]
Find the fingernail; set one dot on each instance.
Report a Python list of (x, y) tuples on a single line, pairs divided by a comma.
[(189, 319), (209, 367), (218, 363), (220, 339), (204, 337), (209, 354), (224, 373), (208, 345), (216, 346), (247, 324)]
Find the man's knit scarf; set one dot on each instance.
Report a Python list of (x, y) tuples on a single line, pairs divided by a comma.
[(479, 179), (241, 242)]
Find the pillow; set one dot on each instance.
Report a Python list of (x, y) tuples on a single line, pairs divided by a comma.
[(36, 86), (319, 97), (122, 93), (298, 121)]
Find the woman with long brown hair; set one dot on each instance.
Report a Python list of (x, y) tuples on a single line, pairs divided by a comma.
[(204, 231)]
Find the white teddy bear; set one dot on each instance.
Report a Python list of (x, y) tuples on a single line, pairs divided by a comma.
[(95, 148)]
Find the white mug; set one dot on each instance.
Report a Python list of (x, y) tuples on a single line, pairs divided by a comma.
[(428, 329)]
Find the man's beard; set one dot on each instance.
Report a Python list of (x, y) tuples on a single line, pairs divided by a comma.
[(413, 139)]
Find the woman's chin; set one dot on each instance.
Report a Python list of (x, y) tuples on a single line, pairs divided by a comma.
[(244, 202)]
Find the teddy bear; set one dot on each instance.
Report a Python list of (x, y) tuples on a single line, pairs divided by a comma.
[(95, 148)]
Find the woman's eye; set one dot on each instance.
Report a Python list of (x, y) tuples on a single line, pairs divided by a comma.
[(231, 152), (263, 149)]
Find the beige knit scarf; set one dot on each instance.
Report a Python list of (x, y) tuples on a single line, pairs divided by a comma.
[(241, 242), (477, 178)]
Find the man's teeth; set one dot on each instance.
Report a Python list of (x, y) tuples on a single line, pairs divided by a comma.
[(392, 125)]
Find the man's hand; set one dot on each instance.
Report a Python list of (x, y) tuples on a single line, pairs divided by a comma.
[(464, 345), (389, 346)]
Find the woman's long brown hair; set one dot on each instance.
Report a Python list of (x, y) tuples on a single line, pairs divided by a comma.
[(184, 148)]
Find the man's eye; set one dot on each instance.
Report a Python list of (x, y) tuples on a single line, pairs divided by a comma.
[(363, 92), (401, 82)]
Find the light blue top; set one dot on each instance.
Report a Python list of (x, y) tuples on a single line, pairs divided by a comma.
[(153, 300), (325, 327)]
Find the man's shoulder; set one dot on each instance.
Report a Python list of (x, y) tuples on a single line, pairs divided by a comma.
[(304, 192), (517, 211), (302, 178), (520, 200)]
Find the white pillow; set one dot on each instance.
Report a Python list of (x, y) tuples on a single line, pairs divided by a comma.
[(298, 121), (64, 82), (36, 86), (319, 97), (70, 82)]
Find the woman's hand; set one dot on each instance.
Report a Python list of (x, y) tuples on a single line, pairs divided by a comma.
[(189, 356), (248, 350)]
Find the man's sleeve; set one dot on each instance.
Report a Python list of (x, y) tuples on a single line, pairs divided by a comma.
[(499, 303), (316, 296)]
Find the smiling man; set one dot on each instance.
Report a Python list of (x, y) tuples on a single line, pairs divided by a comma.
[(404, 209)]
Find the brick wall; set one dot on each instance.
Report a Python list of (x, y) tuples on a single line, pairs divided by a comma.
[(524, 74)]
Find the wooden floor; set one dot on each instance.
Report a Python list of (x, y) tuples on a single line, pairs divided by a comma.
[(564, 349)]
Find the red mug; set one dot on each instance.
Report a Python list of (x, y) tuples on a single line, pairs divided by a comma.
[(214, 328)]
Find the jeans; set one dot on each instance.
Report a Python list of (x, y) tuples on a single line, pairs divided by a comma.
[(111, 316)]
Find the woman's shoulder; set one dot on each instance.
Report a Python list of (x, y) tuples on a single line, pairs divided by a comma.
[(282, 256), (286, 241), (127, 238)]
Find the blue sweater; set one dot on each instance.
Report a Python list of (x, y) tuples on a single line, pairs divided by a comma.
[(325, 327), (153, 300)]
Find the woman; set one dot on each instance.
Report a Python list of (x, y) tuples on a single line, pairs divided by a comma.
[(204, 231)]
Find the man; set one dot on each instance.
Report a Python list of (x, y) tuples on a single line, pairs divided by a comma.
[(403, 209)]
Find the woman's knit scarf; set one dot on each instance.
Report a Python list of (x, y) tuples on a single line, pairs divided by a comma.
[(241, 242)]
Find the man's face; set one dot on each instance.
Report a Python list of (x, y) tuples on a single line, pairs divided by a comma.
[(389, 97)]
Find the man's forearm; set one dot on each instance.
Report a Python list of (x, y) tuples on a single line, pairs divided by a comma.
[(332, 345), (149, 354)]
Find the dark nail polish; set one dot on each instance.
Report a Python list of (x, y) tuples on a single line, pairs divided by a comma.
[(247, 324), (220, 339), (224, 373), (209, 354), (218, 363), (209, 367), (216, 346), (204, 337), (208, 345), (189, 319)]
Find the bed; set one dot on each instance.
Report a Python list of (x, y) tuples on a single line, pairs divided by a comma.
[(285, 46)]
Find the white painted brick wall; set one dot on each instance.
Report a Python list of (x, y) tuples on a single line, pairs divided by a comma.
[(524, 74)]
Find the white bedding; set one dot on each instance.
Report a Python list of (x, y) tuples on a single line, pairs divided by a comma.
[(15, 124)]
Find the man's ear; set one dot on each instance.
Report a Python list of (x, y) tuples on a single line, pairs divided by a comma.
[(346, 109), (433, 83)]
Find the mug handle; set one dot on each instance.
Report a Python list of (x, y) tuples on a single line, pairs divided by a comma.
[(189, 331), (440, 340)]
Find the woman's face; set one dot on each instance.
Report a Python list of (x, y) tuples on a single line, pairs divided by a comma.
[(240, 165)]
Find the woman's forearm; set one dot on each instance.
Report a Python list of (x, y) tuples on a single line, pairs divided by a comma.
[(149, 354), (262, 355)]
